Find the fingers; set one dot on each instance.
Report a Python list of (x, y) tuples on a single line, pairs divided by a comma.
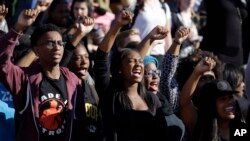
[(159, 32), (183, 31), (181, 35), (87, 21), (210, 62), (127, 15), (84, 24), (162, 31), (31, 13)]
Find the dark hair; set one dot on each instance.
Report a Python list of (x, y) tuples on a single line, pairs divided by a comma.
[(206, 128), (186, 66), (40, 31), (124, 101), (89, 6), (132, 45), (232, 74), (65, 21), (54, 4), (22, 48)]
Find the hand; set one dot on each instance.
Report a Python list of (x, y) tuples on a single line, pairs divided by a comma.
[(85, 24), (181, 34), (43, 5), (3, 12), (26, 19), (158, 33), (124, 18), (206, 64)]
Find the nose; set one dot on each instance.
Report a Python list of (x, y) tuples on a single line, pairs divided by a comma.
[(79, 11), (155, 76), (83, 61), (138, 61), (56, 45)]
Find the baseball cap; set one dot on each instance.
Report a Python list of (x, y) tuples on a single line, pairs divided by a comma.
[(217, 88)]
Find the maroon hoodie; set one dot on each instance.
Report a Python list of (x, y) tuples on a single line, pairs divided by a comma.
[(23, 84)]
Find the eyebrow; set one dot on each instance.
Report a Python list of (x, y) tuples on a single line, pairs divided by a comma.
[(134, 57)]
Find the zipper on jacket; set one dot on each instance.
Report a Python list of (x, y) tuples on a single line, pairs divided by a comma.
[(34, 119), (27, 100)]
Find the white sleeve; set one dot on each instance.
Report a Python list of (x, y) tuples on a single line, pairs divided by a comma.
[(168, 15)]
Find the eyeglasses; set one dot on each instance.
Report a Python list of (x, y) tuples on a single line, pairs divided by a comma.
[(207, 78), (152, 72), (52, 43)]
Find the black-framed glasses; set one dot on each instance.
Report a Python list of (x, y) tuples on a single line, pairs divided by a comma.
[(152, 72), (53, 43)]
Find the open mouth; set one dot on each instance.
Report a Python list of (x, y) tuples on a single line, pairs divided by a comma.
[(137, 73), (56, 56), (153, 86), (83, 71), (230, 109)]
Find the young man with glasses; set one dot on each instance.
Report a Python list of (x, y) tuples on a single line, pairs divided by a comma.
[(48, 98)]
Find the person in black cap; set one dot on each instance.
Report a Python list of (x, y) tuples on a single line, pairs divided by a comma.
[(212, 113), (218, 115)]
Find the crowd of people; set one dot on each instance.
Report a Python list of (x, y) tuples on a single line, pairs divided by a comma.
[(124, 70)]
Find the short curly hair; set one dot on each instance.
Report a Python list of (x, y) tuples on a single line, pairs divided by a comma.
[(40, 31), (186, 65)]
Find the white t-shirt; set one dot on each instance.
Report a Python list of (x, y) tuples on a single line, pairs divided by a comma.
[(150, 17), (4, 26)]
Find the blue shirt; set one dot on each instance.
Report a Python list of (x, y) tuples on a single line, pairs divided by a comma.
[(7, 125)]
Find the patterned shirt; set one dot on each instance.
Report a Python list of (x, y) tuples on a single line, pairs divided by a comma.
[(168, 83)]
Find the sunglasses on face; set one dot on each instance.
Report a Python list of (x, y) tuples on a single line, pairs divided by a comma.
[(53, 43), (152, 72)]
